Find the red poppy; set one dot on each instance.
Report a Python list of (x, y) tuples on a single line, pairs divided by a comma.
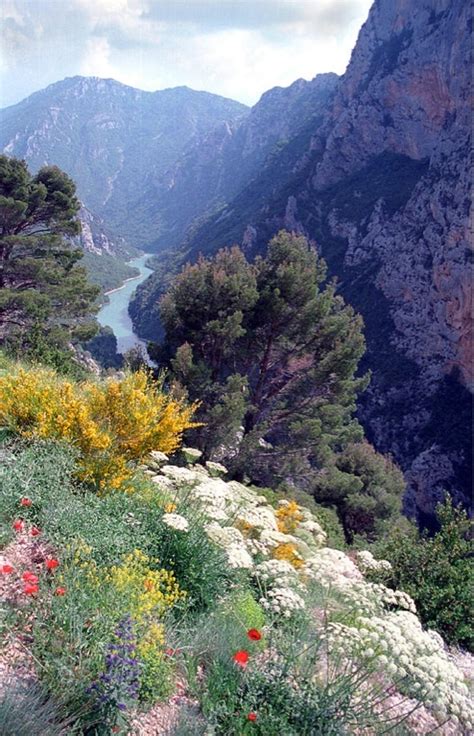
[(6, 569), (254, 634), (26, 501), (51, 564), (35, 531), (30, 577), (19, 525), (241, 658), (30, 589), (252, 717), (60, 591), (170, 652)]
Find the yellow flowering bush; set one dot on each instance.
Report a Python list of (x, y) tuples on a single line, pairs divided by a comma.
[(152, 642), (156, 678), (111, 422), (288, 552), (149, 592), (288, 517)]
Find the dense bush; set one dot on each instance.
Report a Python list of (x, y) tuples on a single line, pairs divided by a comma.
[(437, 572), (119, 596), (111, 422)]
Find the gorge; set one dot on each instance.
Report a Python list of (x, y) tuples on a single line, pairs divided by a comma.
[(114, 313), (373, 167)]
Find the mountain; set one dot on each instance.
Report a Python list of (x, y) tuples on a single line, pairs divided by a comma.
[(111, 138), (379, 179), (214, 168)]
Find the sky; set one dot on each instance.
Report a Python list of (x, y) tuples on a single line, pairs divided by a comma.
[(235, 48)]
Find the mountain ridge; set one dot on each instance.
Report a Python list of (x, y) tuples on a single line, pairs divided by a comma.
[(108, 137)]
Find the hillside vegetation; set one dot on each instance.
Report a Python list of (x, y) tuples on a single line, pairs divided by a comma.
[(180, 593)]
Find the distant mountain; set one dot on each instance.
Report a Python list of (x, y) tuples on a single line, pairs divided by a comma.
[(214, 168), (378, 175), (111, 139)]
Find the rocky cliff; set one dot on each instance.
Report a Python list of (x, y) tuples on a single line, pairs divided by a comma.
[(381, 183)]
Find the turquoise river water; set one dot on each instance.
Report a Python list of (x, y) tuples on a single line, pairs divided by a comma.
[(115, 313)]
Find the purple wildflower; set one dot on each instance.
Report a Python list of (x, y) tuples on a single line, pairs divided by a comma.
[(119, 683)]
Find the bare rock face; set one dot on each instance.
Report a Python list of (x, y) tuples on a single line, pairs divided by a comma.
[(382, 185), (97, 239), (407, 92)]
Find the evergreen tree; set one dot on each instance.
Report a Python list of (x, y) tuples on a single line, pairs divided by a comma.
[(45, 298), (437, 571), (271, 351)]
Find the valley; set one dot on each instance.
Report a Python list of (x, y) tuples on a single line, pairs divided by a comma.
[(372, 166), (236, 368)]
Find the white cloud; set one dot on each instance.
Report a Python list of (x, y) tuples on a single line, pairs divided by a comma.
[(96, 61), (237, 48)]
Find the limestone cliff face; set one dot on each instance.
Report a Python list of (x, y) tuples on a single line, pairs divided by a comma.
[(381, 184), (407, 91), (96, 239)]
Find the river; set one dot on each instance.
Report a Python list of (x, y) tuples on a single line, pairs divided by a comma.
[(115, 313)]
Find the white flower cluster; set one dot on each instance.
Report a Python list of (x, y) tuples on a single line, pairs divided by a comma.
[(366, 562), (176, 521), (335, 571), (276, 572), (384, 629), (231, 505), (282, 601), (232, 540), (282, 587), (396, 645)]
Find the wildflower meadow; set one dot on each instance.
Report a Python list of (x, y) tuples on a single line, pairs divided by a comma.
[(166, 591)]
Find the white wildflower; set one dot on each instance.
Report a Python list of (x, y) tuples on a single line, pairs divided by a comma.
[(176, 521)]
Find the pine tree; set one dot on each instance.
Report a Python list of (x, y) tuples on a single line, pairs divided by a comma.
[(271, 351), (45, 298)]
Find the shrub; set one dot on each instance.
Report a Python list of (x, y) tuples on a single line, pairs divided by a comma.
[(27, 710), (111, 422), (60, 506), (279, 685), (437, 572), (199, 566)]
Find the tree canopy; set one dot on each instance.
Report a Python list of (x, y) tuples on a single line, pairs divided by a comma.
[(271, 351), (45, 298)]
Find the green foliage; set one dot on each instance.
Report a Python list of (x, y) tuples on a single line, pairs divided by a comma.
[(111, 526), (200, 567), (285, 692), (156, 679), (370, 495), (242, 607), (41, 285), (107, 272), (437, 572), (271, 351)]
